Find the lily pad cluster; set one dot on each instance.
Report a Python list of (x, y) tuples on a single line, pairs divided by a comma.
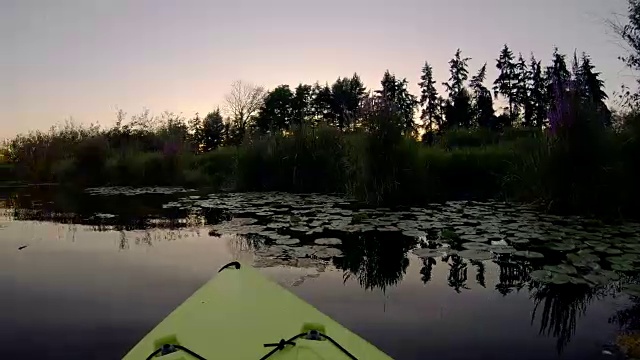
[(559, 250), (133, 191)]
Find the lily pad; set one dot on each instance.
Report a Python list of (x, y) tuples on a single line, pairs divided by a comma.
[(299, 229), (529, 254), (561, 269), (414, 233), (540, 275), (475, 255), (328, 241), (613, 251), (623, 267), (598, 278), (476, 246), (473, 237), (581, 258), (327, 253), (632, 289), (287, 241), (428, 253), (561, 246), (502, 249), (560, 279)]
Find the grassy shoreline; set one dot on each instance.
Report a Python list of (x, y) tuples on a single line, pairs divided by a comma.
[(577, 167), (517, 165)]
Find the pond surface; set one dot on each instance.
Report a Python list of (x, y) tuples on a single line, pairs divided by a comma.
[(86, 275)]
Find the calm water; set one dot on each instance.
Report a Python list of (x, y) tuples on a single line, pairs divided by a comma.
[(86, 275)]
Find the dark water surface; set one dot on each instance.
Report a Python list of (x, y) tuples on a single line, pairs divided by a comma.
[(100, 269)]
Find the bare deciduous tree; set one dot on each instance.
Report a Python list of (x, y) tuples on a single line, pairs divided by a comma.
[(243, 102)]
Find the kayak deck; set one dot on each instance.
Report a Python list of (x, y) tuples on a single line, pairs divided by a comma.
[(237, 312)]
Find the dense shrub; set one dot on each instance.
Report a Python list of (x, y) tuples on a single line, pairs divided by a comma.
[(582, 168)]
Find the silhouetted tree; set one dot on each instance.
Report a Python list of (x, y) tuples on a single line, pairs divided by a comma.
[(243, 103), (558, 81), (321, 104), (277, 112), (212, 131), (524, 103), (429, 101), (301, 105), (630, 33), (395, 94), (505, 83), (346, 97), (195, 127), (538, 93), (459, 74), (558, 75), (458, 111), (482, 101), (591, 87)]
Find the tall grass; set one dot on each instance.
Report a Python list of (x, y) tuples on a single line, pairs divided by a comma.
[(582, 169)]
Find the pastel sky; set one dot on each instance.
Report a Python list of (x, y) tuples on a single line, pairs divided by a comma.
[(86, 58)]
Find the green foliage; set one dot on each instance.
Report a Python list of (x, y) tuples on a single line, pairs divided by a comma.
[(347, 95), (505, 84), (537, 94), (309, 159), (212, 131), (396, 97), (429, 101), (459, 74), (276, 114)]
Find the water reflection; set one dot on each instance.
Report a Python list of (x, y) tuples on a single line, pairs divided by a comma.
[(512, 276), (377, 260), (559, 308)]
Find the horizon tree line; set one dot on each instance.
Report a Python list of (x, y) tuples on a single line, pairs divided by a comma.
[(528, 89)]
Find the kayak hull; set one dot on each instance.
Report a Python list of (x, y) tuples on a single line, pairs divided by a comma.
[(238, 311)]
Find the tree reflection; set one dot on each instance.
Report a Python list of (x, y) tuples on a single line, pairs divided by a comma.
[(561, 306), (377, 261), (457, 278), (480, 272), (427, 268), (628, 321), (513, 275)]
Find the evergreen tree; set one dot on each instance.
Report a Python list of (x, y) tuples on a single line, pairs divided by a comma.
[(558, 75), (524, 103), (537, 93), (505, 84), (482, 101), (321, 105), (212, 131), (301, 104), (429, 99), (277, 112), (458, 110), (592, 85), (347, 95), (459, 74), (591, 88), (395, 94), (558, 81), (195, 127)]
